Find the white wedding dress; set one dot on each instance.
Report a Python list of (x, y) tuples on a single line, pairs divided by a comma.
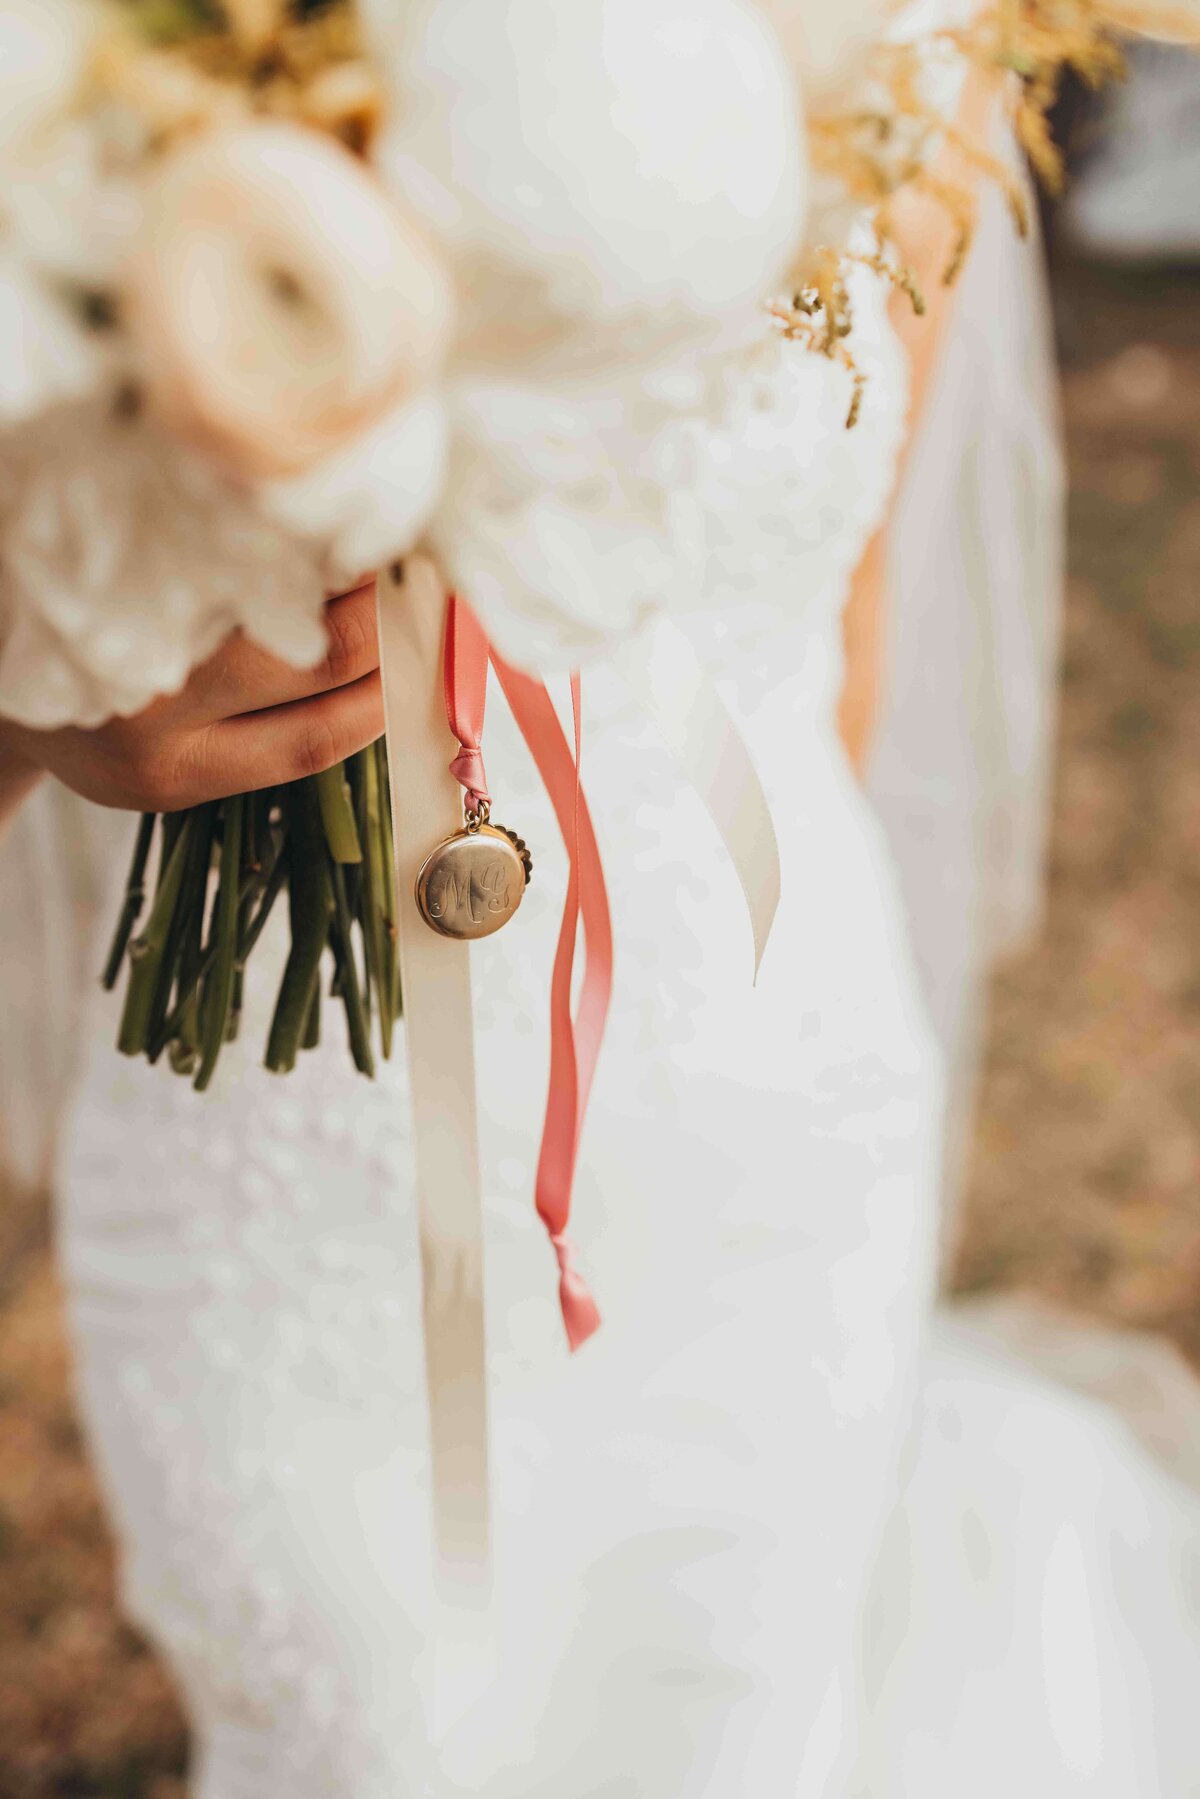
[(767, 1534)]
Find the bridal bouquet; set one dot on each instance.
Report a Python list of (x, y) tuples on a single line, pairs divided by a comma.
[(290, 287)]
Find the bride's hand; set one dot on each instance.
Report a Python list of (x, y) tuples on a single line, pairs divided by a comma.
[(244, 720)]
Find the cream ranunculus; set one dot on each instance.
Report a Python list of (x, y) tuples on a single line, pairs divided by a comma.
[(281, 300)]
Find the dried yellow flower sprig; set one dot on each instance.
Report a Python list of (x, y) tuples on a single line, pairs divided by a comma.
[(873, 153), (818, 313), (821, 323), (1037, 41)]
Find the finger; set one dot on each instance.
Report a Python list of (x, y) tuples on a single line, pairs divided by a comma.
[(243, 677), (282, 743)]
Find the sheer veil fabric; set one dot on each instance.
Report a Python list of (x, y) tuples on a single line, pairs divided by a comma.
[(780, 1529), (962, 758)]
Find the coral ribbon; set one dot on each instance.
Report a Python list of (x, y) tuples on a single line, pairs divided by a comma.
[(575, 1039), (465, 672), (575, 1036)]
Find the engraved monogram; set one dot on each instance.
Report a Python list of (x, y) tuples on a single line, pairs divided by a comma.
[(469, 894), (473, 882)]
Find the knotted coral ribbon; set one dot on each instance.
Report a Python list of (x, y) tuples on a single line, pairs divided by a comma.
[(464, 682)]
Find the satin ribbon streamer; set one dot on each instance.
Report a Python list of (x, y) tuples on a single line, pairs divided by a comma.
[(436, 979), (575, 1039), (663, 670)]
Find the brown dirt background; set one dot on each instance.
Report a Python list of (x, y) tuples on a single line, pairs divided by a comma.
[(1085, 1185), (1086, 1176)]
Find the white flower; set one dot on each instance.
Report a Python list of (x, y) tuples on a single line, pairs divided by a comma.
[(717, 480), (554, 521), (370, 500), (46, 191), (608, 176), (775, 481), (126, 561)]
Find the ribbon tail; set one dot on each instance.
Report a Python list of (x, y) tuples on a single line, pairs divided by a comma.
[(581, 1315), (675, 688), (575, 1040)]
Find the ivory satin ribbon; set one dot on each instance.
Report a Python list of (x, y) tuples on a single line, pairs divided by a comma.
[(436, 982)]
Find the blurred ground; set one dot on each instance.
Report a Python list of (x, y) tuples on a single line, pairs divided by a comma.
[(85, 1712), (1086, 1176), (1086, 1182)]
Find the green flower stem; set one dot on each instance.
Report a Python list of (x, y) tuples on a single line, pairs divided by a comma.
[(246, 942), (311, 1037), (184, 1038), (218, 988), (358, 878), (310, 895), (192, 893), (328, 840), (371, 902), (387, 881), (147, 950), (135, 896), (276, 876), (251, 870), (356, 872), (356, 1017), (337, 815), (391, 929)]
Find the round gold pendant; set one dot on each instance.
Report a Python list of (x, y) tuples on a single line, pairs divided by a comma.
[(472, 883)]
